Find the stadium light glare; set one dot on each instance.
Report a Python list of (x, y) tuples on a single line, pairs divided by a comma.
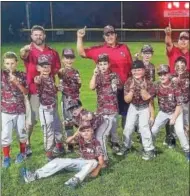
[(186, 5), (169, 5), (176, 4)]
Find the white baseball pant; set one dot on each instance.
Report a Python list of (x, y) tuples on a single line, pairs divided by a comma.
[(141, 116), (10, 122), (51, 126), (162, 118), (82, 165)]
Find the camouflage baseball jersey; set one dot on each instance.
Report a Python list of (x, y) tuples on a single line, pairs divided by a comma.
[(89, 150), (106, 87), (150, 72), (184, 84), (47, 91), (137, 99), (168, 97), (94, 122), (70, 83), (12, 99)]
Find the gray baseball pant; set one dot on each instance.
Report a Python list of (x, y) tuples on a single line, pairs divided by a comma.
[(102, 132), (10, 122), (82, 165), (162, 118), (143, 116), (51, 126), (185, 107), (113, 131)]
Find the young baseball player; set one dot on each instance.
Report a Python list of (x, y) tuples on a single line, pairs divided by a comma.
[(170, 100), (146, 55), (138, 92), (181, 78), (13, 90), (91, 160), (98, 122), (70, 84), (49, 119), (106, 84)]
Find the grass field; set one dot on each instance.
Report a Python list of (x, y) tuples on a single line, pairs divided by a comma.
[(166, 175)]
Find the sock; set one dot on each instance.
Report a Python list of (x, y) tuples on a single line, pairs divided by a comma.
[(22, 148), (59, 145), (6, 151)]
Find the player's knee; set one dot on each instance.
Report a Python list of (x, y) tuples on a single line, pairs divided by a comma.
[(93, 163)]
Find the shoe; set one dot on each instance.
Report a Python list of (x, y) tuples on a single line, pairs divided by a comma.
[(58, 150), (20, 158), (148, 155), (115, 147), (123, 151), (188, 156), (170, 142), (6, 162), (28, 151), (73, 182), (28, 175)]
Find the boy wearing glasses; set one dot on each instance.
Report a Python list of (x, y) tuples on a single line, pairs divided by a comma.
[(90, 162), (70, 84), (170, 101)]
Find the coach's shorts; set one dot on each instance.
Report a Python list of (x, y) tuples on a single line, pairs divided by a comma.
[(123, 106)]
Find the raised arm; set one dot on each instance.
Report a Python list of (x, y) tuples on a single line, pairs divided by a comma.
[(80, 46), (93, 79), (168, 38)]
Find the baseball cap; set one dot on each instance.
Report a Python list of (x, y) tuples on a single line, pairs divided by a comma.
[(147, 48), (109, 29), (44, 60), (163, 69), (184, 34), (71, 104), (138, 64), (103, 57), (68, 52)]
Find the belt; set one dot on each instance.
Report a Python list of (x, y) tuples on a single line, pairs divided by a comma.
[(140, 106), (47, 106)]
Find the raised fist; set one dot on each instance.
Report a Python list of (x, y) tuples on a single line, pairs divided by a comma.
[(81, 32), (168, 30), (27, 48), (37, 79)]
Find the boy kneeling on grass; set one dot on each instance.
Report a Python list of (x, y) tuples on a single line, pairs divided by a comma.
[(90, 162)]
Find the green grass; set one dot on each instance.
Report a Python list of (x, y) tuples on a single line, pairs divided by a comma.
[(167, 175)]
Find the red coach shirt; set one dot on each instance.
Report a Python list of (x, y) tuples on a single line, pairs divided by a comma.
[(120, 58), (31, 62), (173, 55)]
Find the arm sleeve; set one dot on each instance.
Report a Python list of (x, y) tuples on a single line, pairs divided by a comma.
[(92, 52)]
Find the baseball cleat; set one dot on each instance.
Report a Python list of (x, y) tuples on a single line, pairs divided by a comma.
[(6, 162), (20, 158), (28, 175), (148, 155), (123, 151), (73, 182), (28, 151)]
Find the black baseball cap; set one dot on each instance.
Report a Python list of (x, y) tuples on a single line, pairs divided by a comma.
[(68, 52), (44, 60), (138, 65), (73, 104)]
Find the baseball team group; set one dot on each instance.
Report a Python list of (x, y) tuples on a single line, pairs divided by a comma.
[(124, 86)]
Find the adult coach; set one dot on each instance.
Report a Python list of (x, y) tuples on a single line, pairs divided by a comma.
[(29, 54), (120, 59), (182, 48)]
